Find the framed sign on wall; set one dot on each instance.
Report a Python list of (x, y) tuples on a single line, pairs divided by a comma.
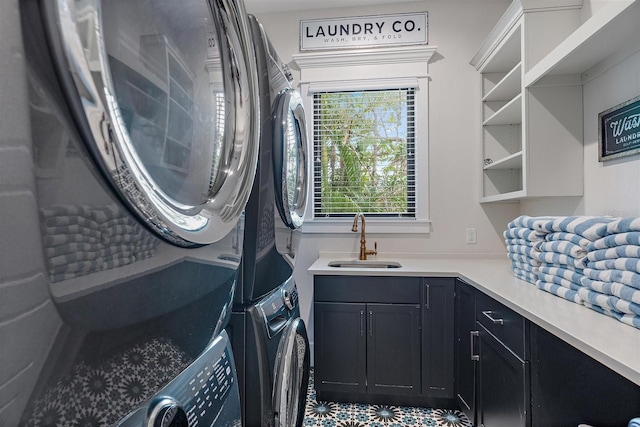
[(364, 31), (619, 130)]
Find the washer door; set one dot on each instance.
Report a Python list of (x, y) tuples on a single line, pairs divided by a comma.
[(290, 157), (164, 95), (291, 376)]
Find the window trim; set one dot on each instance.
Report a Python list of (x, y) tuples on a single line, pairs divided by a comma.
[(370, 69)]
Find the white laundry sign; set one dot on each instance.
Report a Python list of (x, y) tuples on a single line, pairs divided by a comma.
[(364, 31)]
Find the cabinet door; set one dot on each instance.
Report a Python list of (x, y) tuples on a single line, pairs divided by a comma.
[(466, 354), (438, 337), (503, 385), (340, 347), (393, 349)]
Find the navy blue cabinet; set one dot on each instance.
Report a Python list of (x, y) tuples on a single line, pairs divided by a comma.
[(340, 365), (438, 336), (492, 367), (466, 354), (383, 339)]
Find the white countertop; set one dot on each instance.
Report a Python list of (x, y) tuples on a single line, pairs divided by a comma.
[(607, 340)]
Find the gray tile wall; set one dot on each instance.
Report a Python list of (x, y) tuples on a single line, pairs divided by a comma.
[(28, 320)]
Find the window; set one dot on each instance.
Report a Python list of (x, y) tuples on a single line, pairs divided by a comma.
[(363, 151), (368, 122)]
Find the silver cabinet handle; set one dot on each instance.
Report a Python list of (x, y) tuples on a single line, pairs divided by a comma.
[(489, 316), (361, 322), (370, 323), (426, 305), (474, 357)]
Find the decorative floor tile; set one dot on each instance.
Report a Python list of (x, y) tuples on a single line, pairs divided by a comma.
[(337, 414)]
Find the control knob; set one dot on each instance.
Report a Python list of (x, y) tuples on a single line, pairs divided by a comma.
[(286, 298), (168, 413)]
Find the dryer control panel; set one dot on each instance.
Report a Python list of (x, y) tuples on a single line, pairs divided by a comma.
[(206, 392)]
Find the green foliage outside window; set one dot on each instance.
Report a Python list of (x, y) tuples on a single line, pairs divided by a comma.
[(363, 152)]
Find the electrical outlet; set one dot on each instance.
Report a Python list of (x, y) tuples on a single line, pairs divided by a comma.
[(472, 236)]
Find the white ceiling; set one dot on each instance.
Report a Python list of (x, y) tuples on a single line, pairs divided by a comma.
[(268, 6)]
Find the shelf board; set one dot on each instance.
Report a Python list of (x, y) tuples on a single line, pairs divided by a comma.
[(616, 24), (513, 196), (514, 161), (508, 87), (510, 114)]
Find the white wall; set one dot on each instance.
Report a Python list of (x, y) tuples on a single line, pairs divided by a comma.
[(457, 29), (611, 187)]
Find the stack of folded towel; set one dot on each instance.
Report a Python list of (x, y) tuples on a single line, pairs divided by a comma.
[(521, 238), (80, 239), (563, 253), (612, 275), (593, 261)]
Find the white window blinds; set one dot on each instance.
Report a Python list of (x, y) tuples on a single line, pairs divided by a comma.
[(364, 153)]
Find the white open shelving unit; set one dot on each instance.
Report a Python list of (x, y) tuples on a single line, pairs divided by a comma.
[(532, 67)]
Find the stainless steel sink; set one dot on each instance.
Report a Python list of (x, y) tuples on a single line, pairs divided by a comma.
[(355, 263)]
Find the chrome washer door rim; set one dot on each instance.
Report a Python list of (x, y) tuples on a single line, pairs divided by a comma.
[(102, 127), (290, 375), (289, 121)]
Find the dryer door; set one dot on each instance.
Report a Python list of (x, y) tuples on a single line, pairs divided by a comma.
[(290, 157), (291, 376), (164, 95)]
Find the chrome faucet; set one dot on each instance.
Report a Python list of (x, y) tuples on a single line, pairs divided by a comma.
[(363, 242)]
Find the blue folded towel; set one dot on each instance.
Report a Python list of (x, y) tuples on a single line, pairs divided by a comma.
[(620, 290), (550, 278), (626, 264), (608, 301), (565, 273), (531, 222), (560, 291), (634, 422), (524, 250), (524, 266), (623, 225), (561, 259), (569, 237), (589, 227), (525, 275), (524, 242), (625, 277), (523, 233), (629, 319), (523, 258), (624, 251), (630, 238), (562, 247)]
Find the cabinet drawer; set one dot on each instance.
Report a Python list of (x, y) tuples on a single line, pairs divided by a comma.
[(504, 323), (376, 289)]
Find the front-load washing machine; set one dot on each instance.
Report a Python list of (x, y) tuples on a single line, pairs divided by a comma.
[(274, 350), (127, 199), (265, 319)]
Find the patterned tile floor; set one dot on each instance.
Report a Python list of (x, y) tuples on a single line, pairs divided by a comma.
[(332, 414)]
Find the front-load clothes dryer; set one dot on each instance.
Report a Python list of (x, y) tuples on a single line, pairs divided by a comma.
[(279, 193), (124, 240), (272, 350)]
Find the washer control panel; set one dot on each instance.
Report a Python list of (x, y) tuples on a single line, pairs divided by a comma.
[(205, 392), (279, 307)]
